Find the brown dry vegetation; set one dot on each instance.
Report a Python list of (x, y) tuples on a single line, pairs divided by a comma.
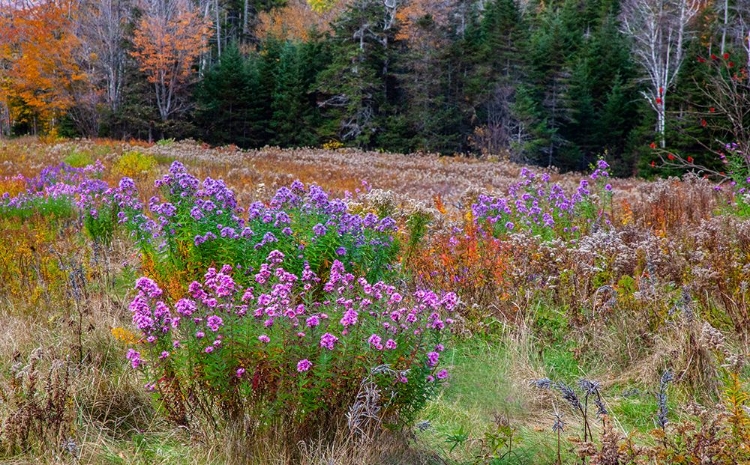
[(666, 286)]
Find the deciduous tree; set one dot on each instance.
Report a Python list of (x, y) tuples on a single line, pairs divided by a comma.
[(659, 30), (169, 37), (40, 73), (104, 31)]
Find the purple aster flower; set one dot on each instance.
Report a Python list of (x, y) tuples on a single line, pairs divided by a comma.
[(134, 357), (374, 340), (304, 365), (264, 339), (185, 307), (148, 287), (319, 230), (196, 213), (214, 322), (349, 318), (269, 237), (328, 340)]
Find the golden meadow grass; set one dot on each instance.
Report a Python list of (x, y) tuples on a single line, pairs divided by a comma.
[(661, 285)]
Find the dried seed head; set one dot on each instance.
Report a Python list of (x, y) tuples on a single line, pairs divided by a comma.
[(569, 395), (558, 424), (542, 383), (712, 337), (600, 408), (588, 386)]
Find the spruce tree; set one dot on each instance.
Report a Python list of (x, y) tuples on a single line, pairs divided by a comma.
[(355, 86), (500, 68), (295, 114), (225, 109)]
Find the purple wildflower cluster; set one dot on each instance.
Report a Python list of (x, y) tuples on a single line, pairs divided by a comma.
[(282, 313), (60, 182), (60, 188), (538, 205), (314, 203), (96, 195), (64, 174), (303, 222)]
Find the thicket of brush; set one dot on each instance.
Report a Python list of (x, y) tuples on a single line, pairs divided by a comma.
[(597, 292)]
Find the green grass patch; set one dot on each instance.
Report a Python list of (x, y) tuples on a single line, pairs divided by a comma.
[(483, 408), (153, 448), (46, 207), (78, 159)]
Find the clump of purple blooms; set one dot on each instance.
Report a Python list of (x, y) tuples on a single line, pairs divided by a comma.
[(542, 207), (58, 189), (221, 336), (305, 223), (55, 186)]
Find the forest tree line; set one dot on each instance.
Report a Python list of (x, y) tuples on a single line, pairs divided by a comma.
[(555, 82)]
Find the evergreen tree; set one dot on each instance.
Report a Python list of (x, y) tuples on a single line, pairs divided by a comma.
[(602, 109), (425, 116), (225, 109), (295, 114), (500, 68), (356, 83), (268, 59), (544, 108)]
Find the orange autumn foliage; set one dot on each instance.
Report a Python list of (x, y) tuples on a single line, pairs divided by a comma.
[(41, 72), (295, 20), (168, 39), (414, 15)]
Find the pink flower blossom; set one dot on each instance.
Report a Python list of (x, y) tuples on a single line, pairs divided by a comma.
[(328, 340), (304, 365)]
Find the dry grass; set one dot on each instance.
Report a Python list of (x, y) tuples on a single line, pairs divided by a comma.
[(666, 286)]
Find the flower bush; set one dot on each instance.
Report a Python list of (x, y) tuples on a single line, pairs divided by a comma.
[(196, 224), (50, 193), (285, 347), (543, 208), (134, 164)]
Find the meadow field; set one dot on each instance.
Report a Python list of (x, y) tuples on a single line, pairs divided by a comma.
[(172, 303)]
